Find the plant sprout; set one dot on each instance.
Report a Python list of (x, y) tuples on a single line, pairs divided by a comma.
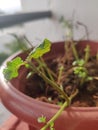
[(81, 71), (42, 119)]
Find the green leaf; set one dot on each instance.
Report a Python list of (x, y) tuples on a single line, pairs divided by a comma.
[(60, 103), (79, 62), (52, 126), (42, 119), (11, 71), (80, 71), (41, 49), (89, 78)]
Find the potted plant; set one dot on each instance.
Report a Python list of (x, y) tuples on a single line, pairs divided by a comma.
[(63, 78)]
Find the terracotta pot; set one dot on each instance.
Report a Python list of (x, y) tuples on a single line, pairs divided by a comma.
[(28, 109)]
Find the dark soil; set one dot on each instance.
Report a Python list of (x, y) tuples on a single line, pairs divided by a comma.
[(88, 91)]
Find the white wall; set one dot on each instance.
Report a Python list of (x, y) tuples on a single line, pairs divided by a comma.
[(38, 30), (85, 12)]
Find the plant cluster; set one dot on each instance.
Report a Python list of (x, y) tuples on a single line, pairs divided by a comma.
[(60, 80), (72, 73)]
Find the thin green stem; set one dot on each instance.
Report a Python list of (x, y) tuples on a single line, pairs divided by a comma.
[(66, 104), (60, 73), (55, 116), (74, 50), (41, 65), (97, 57), (49, 71), (47, 80), (87, 53), (44, 68)]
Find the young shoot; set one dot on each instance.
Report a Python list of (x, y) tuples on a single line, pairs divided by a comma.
[(42, 119), (81, 71)]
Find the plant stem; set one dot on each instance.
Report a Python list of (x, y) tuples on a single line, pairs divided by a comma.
[(45, 68), (97, 57), (87, 53), (60, 73), (67, 50), (41, 65), (74, 50), (47, 80), (66, 104), (50, 73), (55, 116)]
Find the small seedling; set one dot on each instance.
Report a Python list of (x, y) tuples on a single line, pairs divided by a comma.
[(81, 71), (42, 119)]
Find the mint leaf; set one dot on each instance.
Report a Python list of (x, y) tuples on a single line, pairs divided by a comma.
[(11, 71), (41, 49)]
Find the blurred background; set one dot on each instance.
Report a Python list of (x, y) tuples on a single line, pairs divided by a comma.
[(20, 25)]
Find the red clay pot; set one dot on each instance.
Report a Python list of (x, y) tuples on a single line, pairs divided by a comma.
[(28, 109)]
